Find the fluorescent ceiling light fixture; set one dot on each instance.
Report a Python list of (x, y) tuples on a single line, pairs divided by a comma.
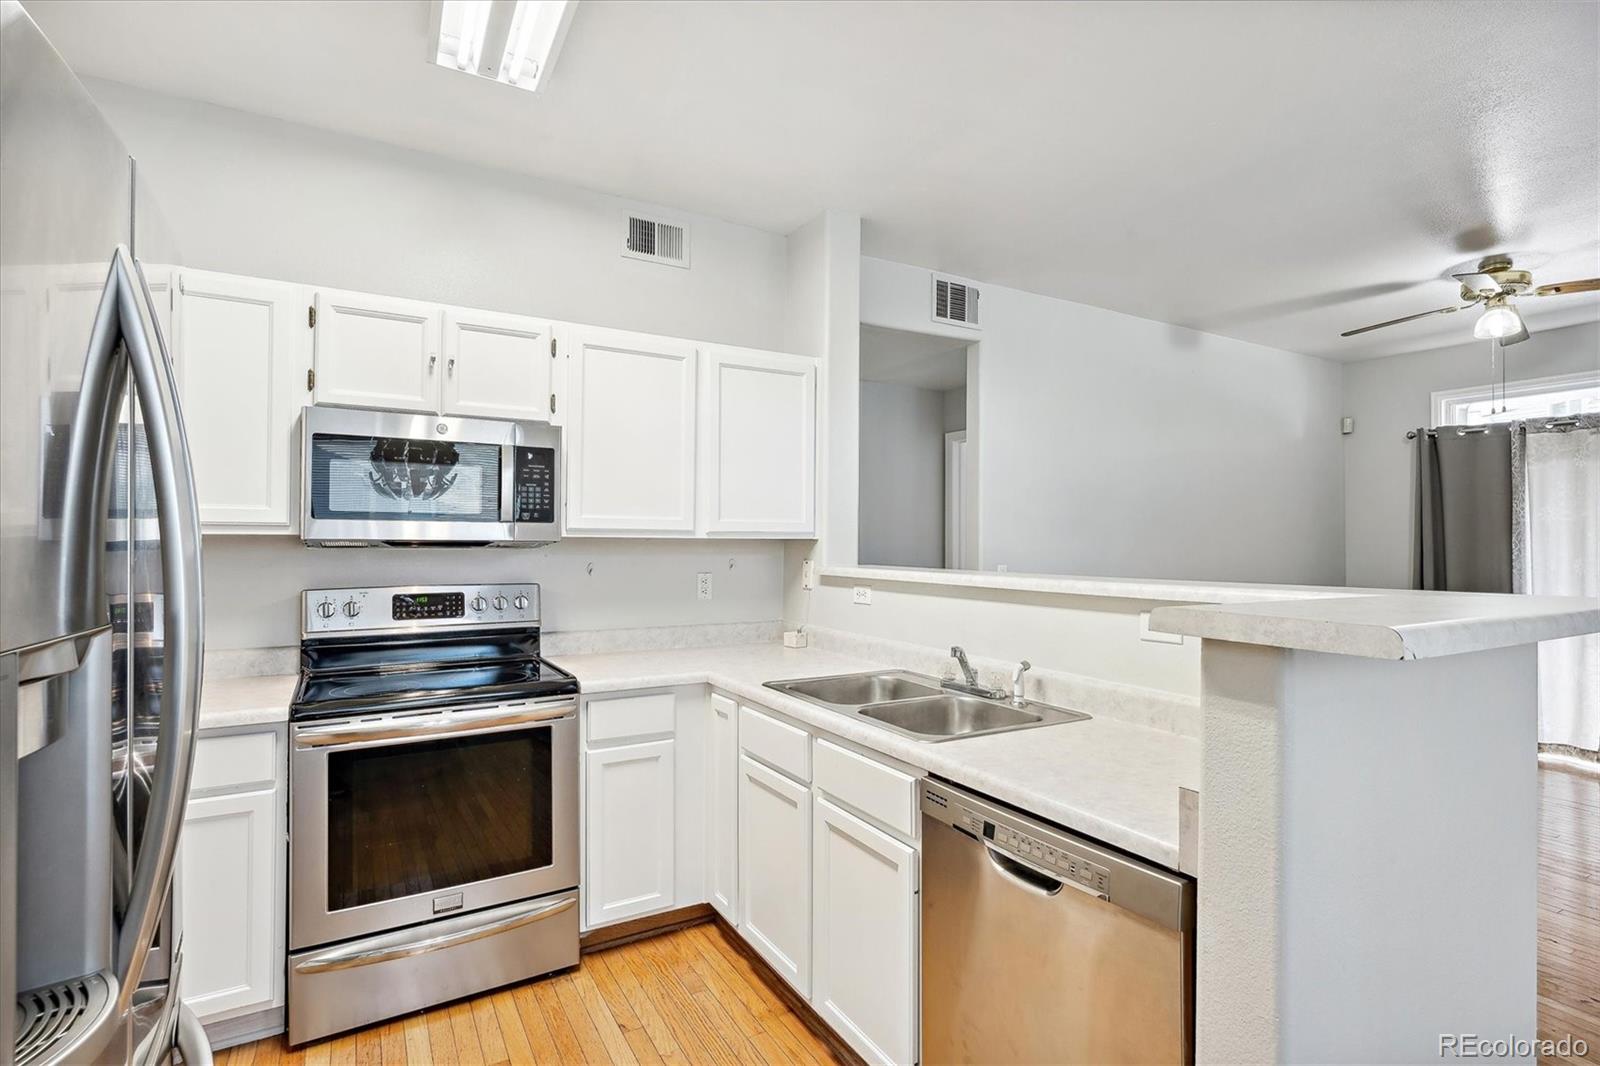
[(514, 42), (1499, 321)]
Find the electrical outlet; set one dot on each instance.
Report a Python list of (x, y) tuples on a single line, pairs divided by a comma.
[(703, 586), (808, 574), (862, 594)]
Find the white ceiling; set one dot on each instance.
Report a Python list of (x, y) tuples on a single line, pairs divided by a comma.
[(1275, 172), (917, 359)]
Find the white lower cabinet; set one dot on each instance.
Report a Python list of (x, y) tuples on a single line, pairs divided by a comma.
[(722, 808), (775, 870), (864, 974), (629, 835), (231, 874)]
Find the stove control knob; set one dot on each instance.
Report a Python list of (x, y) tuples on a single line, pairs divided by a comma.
[(351, 608), (499, 603), (479, 604), (326, 609), (520, 603)]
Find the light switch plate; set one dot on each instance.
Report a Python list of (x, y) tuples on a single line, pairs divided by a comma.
[(808, 574), (1155, 636), (861, 594)]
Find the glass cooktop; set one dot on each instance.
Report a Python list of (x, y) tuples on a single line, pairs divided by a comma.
[(341, 677)]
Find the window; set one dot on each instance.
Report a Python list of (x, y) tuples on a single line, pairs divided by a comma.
[(1569, 394)]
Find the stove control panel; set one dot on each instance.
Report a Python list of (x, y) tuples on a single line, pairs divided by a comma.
[(413, 607)]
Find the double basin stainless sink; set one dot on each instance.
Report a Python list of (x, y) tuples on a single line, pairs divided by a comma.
[(918, 706)]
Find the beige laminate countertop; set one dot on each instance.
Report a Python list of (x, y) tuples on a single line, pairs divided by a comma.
[(1105, 778)]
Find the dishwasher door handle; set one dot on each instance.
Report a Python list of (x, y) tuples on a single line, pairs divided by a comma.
[(1021, 873)]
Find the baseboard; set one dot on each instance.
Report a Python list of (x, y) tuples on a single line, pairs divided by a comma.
[(842, 1051), (230, 1032), (610, 936)]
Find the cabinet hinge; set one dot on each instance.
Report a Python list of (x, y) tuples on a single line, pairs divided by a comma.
[(552, 403), (311, 316), (311, 380)]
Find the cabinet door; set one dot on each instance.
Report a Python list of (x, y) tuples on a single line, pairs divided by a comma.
[(758, 450), (629, 831), (377, 351), (630, 433), (864, 896), (722, 808), (230, 870), (497, 366), (242, 349), (775, 870)]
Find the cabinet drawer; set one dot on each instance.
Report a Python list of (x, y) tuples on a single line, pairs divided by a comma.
[(879, 792), (235, 762), (630, 717), (775, 743)]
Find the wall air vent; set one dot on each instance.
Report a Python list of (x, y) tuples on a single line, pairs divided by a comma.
[(955, 302), (657, 241)]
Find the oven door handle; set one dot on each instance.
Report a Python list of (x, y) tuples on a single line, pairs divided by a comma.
[(458, 722), (347, 958)]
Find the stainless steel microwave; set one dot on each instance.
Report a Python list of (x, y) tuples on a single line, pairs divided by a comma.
[(393, 477)]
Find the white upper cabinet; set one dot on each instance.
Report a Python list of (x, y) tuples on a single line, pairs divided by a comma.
[(377, 351), (241, 349), (497, 366), (630, 440), (758, 451)]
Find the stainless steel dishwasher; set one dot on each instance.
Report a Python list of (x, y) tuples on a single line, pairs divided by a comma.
[(1041, 946)]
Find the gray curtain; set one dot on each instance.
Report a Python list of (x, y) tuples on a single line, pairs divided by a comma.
[(1463, 510)]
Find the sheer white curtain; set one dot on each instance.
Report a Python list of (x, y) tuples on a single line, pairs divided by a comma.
[(1561, 527)]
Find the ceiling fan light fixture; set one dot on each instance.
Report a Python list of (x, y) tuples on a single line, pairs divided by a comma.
[(1499, 321)]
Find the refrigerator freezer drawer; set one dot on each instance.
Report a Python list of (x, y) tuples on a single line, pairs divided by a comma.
[(358, 982)]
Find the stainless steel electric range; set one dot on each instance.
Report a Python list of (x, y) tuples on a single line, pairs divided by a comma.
[(433, 802)]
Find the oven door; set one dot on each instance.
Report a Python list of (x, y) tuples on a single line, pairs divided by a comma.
[(403, 818)]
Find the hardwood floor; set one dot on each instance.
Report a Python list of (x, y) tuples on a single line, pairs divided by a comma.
[(691, 996), (1569, 907), (685, 997)]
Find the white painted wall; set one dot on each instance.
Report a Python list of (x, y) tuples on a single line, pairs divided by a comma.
[(252, 195), (1118, 446), (252, 584), (955, 409), (1389, 396), (902, 475)]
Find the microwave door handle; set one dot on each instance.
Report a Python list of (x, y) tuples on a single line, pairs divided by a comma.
[(178, 519), (508, 482)]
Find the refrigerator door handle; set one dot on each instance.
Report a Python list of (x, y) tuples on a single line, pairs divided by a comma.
[(178, 518)]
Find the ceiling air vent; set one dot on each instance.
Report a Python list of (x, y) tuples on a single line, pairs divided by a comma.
[(657, 242), (955, 302)]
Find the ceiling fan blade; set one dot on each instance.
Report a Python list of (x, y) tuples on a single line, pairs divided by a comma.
[(1408, 318), (1479, 283), (1561, 288)]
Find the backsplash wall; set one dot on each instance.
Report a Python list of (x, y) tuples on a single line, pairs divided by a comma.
[(253, 584)]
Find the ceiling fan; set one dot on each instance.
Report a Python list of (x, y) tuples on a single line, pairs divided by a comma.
[(1495, 285)]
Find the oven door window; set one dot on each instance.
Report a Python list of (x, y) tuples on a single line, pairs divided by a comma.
[(395, 479), (412, 819)]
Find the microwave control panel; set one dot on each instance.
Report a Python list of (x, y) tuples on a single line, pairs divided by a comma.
[(535, 486)]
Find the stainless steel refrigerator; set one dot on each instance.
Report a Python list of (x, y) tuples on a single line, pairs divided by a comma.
[(100, 602)]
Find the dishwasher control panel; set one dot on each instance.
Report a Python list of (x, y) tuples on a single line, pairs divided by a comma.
[(1058, 861)]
